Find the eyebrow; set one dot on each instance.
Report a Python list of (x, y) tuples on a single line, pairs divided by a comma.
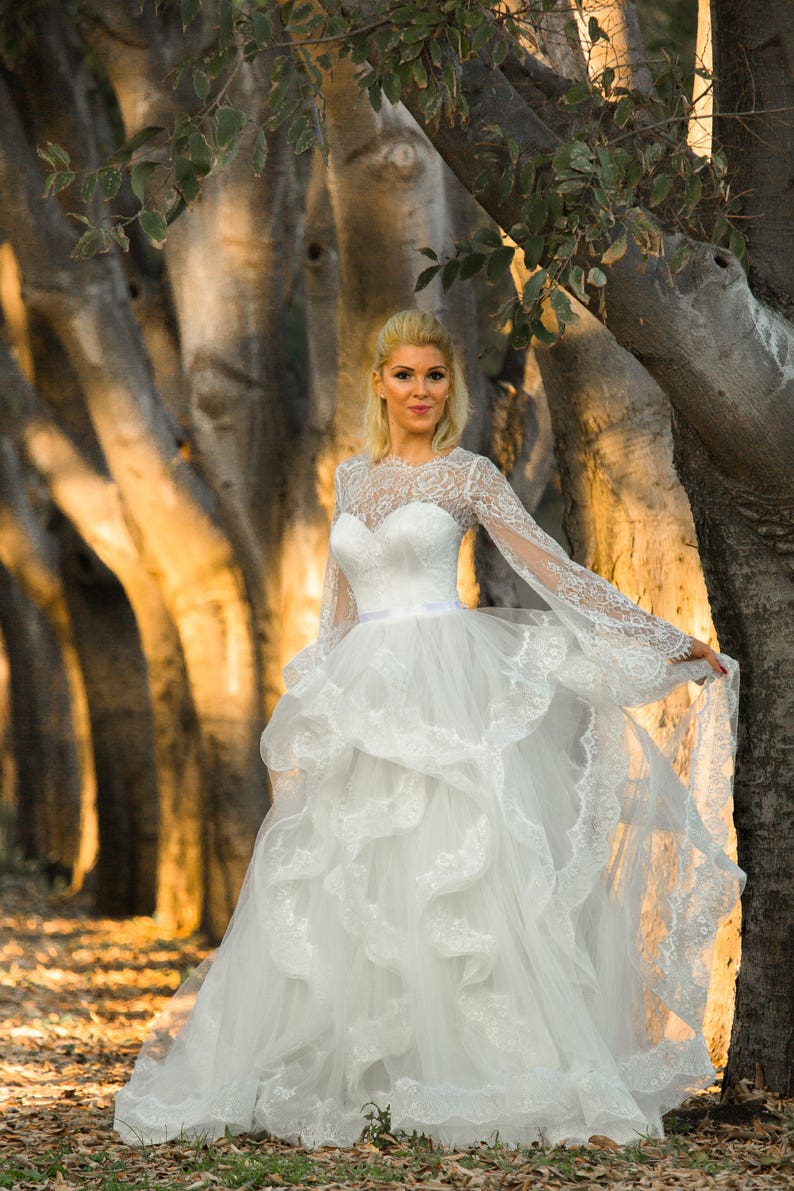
[(408, 368)]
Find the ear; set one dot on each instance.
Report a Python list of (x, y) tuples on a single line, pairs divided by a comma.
[(377, 382)]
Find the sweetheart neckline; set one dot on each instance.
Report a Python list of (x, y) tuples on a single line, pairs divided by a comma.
[(408, 504)]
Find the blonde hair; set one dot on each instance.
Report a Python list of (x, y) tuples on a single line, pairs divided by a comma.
[(414, 328)]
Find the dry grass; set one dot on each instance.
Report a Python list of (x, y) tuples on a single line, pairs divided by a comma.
[(77, 993)]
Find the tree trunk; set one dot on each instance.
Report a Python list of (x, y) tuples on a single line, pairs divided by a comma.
[(628, 518), (48, 780), (188, 550), (93, 505), (623, 51), (121, 729), (754, 74), (699, 133), (749, 575)]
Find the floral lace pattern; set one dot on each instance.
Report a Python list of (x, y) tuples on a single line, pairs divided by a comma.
[(485, 894)]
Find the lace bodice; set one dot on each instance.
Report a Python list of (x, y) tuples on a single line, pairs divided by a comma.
[(395, 537)]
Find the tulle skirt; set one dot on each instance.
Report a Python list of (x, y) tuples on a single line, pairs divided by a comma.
[(484, 897)]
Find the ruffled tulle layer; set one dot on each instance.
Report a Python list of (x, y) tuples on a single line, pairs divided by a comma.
[(483, 897)]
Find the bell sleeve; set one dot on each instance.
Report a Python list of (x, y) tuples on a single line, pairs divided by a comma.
[(634, 647)]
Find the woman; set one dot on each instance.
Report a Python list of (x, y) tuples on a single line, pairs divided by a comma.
[(484, 897)]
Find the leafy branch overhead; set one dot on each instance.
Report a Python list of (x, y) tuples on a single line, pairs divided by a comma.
[(623, 171)]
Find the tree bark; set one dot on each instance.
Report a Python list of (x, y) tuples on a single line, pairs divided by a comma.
[(749, 575), (754, 74), (53, 747), (121, 730), (93, 505), (188, 550)]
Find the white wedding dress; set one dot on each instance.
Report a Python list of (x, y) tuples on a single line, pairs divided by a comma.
[(485, 894)]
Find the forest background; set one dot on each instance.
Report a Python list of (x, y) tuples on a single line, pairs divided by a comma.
[(206, 213)]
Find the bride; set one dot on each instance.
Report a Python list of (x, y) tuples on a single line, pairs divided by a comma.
[(486, 892)]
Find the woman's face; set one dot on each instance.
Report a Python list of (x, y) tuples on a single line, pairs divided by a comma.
[(414, 382)]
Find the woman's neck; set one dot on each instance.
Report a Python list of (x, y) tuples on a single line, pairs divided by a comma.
[(413, 448)]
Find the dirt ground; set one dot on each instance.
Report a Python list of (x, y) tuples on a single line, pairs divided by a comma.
[(76, 994)]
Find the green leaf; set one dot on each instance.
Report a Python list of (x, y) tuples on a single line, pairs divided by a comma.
[(190, 10), (500, 51), (534, 286), (471, 265), (153, 225), (54, 154), (420, 74), (737, 244), (430, 101), (449, 272), (199, 152), (201, 84), (499, 262), (532, 248), (536, 213), (526, 177), (480, 38), (306, 140), (228, 122), (263, 27), (469, 18), (391, 88), (634, 172), (596, 277), (601, 198), (142, 136), (139, 177), (455, 41), (425, 277), (660, 189), (110, 181), (429, 253), (544, 336), (260, 153), (719, 164), (506, 183), (488, 237), (562, 158), (624, 111), (186, 179), (694, 191), (58, 181), (606, 79), (680, 259), (579, 93), (95, 240), (574, 280), (521, 337), (616, 250), (88, 188), (121, 238), (594, 30)]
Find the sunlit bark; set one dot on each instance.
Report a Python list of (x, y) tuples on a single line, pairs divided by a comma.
[(93, 505), (622, 50), (187, 549), (699, 132)]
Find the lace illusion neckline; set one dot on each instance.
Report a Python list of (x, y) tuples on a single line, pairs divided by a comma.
[(396, 459)]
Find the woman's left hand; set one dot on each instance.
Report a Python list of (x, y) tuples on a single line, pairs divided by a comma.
[(699, 649)]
